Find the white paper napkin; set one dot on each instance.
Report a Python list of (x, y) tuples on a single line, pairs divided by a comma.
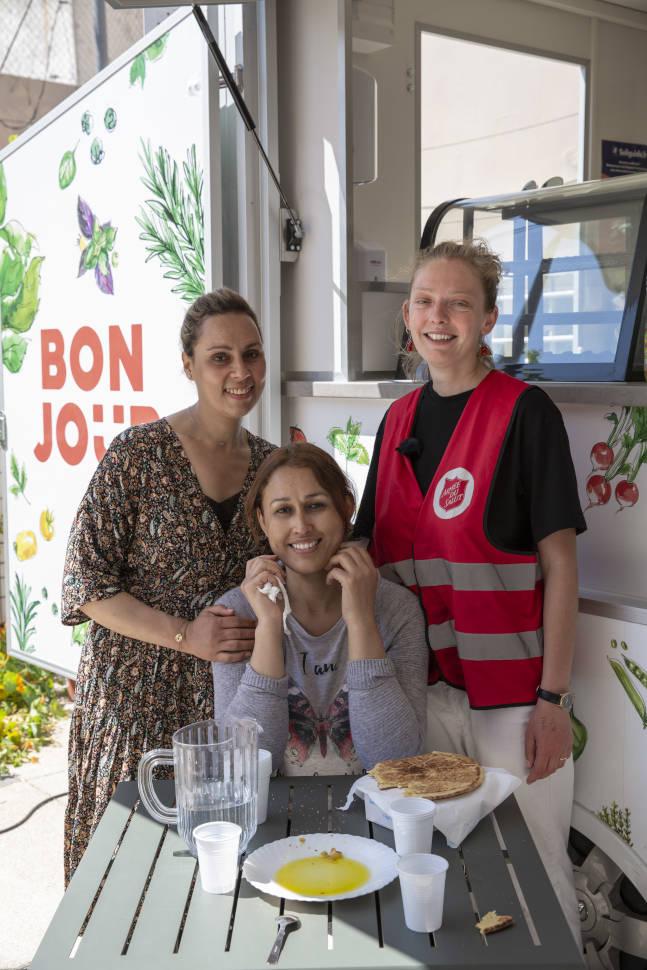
[(273, 592), (455, 817)]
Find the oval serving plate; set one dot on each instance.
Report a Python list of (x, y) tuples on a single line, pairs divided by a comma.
[(264, 862)]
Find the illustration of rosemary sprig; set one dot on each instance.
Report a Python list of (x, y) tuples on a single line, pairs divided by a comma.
[(23, 614), (19, 476), (618, 820), (173, 221)]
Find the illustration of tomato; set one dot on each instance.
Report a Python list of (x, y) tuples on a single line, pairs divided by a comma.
[(627, 494), (25, 545), (601, 455), (598, 490), (46, 523)]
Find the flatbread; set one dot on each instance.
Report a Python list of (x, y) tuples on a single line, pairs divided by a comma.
[(435, 775)]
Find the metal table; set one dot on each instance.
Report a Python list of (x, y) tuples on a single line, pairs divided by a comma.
[(135, 902)]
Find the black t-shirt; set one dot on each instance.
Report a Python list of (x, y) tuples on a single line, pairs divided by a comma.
[(535, 488)]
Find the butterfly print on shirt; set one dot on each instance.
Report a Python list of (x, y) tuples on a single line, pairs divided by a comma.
[(306, 728)]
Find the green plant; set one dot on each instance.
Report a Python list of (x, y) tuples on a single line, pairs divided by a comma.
[(173, 221), (618, 820), (19, 285), (346, 440), (19, 476), (30, 701), (23, 614)]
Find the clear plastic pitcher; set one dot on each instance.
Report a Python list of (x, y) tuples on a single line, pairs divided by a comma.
[(216, 777)]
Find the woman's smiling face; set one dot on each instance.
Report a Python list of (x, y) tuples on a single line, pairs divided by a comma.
[(446, 313), (299, 518), (228, 363)]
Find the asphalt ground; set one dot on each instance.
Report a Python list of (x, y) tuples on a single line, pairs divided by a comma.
[(31, 856)]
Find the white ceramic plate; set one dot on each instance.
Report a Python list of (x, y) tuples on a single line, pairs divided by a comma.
[(261, 865)]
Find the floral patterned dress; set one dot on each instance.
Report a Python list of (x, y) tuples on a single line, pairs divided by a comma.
[(144, 527)]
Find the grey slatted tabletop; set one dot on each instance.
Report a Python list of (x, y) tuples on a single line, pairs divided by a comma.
[(135, 901)]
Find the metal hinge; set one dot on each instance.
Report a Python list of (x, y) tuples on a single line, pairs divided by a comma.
[(3, 430)]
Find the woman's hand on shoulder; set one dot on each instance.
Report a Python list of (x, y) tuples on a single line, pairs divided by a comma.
[(218, 634), (258, 572), (354, 570)]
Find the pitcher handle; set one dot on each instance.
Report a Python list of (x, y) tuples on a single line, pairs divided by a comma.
[(155, 808)]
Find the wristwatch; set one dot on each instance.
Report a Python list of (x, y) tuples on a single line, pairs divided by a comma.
[(564, 700)]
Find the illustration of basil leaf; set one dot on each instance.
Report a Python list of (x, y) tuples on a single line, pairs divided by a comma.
[(85, 218), (91, 254), (19, 240), (138, 70), (14, 349), (109, 234), (359, 454), (11, 274), (103, 275), (156, 49), (66, 170), (24, 309)]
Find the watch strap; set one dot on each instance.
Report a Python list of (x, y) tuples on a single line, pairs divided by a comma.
[(552, 697)]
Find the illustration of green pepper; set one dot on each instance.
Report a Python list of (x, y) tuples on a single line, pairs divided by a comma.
[(639, 672), (636, 699), (580, 736)]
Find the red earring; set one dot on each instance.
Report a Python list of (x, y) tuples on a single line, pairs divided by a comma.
[(409, 344), (485, 350)]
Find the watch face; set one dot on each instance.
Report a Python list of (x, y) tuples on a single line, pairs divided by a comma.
[(566, 701)]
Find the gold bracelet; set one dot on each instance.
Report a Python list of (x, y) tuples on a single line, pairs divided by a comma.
[(180, 636)]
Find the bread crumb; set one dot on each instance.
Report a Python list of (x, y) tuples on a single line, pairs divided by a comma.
[(492, 923)]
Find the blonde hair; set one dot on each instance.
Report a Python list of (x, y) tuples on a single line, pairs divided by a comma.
[(478, 256)]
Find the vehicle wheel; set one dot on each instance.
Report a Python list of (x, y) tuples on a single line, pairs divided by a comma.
[(613, 914)]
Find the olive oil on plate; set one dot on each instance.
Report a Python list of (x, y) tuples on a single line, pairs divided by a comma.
[(322, 876)]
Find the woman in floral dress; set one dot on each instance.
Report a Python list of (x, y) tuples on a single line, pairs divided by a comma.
[(159, 535)]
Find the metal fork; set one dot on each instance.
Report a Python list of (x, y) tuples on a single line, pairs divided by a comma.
[(285, 925)]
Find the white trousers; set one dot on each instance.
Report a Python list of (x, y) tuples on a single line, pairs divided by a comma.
[(496, 739)]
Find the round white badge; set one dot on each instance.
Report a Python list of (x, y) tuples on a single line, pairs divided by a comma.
[(453, 493)]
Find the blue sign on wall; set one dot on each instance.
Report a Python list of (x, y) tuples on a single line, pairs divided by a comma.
[(623, 158)]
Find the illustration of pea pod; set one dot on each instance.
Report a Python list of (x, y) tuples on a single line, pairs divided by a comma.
[(636, 699), (580, 736), (639, 672)]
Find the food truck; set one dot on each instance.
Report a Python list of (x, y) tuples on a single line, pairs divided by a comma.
[(142, 177)]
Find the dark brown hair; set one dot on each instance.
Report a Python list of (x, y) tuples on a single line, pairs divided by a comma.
[(213, 304), (302, 455)]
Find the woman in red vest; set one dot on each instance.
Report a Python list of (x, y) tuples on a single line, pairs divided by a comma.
[(471, 502)]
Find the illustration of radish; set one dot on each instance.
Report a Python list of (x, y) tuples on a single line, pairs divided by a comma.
[(598, 490), (601, 455), (627, 494)]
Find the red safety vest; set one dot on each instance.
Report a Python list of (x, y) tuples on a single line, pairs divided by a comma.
[(483, 606)]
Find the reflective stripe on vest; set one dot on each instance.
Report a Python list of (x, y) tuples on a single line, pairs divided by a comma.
[(463, 575)]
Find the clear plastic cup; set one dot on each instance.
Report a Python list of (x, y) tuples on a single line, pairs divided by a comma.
[(413, 824), (264, 772), (422, 884), (217, 844)]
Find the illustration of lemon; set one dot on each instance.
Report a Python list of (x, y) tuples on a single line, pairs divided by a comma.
[(25, 545), (47, 524)]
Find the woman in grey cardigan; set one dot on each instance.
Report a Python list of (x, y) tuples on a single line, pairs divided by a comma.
[(337, 678)]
